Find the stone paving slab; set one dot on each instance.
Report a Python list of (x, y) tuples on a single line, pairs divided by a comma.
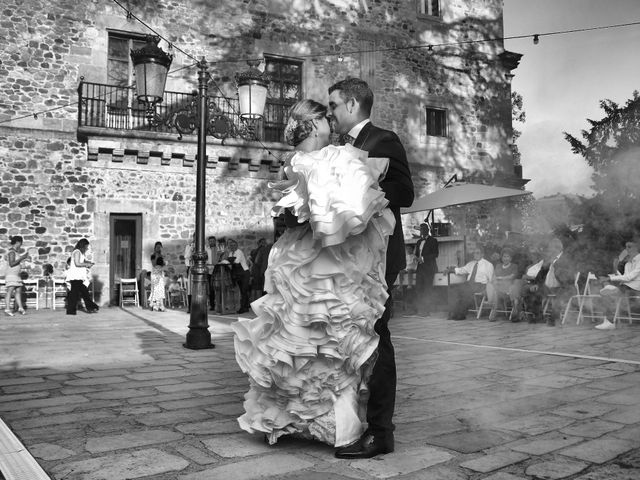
[(555, 469), (469, 408), (494, 461), (600, 450), (123, 466), (402, 463)]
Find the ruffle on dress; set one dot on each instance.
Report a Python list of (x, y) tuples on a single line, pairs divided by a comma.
[(338, 199), (310, 349)]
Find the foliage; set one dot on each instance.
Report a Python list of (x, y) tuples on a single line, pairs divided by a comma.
[(612, 147), (492, 220)]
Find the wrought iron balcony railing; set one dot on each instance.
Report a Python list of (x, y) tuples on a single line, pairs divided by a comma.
[(115, 107)]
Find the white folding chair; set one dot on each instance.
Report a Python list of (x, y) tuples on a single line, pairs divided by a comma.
[(129, 291), (625, 301), (583, 301), (31, 292)]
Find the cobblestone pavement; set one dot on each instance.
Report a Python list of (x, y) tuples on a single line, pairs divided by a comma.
[(116, 396)]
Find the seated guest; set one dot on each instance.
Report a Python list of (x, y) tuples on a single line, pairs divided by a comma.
[(504, 282), (628, 283), (550, 276), (480, 272)]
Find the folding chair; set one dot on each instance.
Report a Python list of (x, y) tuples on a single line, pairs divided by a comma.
[(582, 300), (31, 292), (630, 316), (480, 301), (129, 291)]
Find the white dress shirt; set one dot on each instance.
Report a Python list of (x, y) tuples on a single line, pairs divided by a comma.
[(631, 275), (240, 258), (484, 273), (355, 131)]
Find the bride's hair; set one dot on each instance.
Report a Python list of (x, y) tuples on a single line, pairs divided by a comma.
[(301, 117)]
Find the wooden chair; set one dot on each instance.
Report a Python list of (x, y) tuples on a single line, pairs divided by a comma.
[(59, 293), (583, 301), (129, 292), (3, 293), (31, 292)]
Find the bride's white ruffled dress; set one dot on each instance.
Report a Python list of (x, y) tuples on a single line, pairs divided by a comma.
[(308, 353)]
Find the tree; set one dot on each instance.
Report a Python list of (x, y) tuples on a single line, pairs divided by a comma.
[(612, 147)]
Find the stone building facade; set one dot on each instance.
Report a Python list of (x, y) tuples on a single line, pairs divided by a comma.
[(437, 81)]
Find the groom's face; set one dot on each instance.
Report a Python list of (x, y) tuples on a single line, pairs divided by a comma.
[(342, 120)]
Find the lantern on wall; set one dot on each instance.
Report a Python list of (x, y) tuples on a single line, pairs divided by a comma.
[(151, 66), (252, 91)]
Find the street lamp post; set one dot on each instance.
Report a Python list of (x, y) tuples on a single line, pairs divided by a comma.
[(198, 336), (151, 66)]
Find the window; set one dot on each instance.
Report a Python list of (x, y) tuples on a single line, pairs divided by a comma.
[(429, 7), (285, 89), (121, 101), (436, 122)]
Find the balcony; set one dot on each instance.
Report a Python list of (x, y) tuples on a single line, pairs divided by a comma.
[(115, 107)]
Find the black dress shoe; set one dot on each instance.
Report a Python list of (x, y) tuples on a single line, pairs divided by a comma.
[(367, 446)]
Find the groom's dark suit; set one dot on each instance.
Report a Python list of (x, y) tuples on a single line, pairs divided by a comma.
[(398, 188)]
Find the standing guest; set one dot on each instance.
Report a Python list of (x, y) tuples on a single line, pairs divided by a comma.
[(479, 273), (350, 104), (212, 259), (426, 254), (259, 262), (504, 282), (77, 276), (158, 292), (239, 274), (189, 250), (12, 275)]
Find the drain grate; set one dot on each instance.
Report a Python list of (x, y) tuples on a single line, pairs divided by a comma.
[(16, 463)]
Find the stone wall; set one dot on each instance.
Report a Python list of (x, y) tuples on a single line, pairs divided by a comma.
[(56, 189), (52, 196)]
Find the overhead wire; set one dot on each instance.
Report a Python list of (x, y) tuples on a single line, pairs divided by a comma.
[(340, 54)]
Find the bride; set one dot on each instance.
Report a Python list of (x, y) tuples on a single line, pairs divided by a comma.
[(308, 353)]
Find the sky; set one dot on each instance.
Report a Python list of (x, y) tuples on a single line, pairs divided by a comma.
[(563, 79)]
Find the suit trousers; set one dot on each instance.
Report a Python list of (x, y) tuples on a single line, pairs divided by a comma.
[(382, 383)]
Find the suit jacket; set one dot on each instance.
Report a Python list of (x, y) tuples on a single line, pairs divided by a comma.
[(429, 252), (397, 185)]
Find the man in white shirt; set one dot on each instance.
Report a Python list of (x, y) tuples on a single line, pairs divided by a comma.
[(628, 283), (240, 275), (479, 272)]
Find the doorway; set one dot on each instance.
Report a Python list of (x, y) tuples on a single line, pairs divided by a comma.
[(125, 247)]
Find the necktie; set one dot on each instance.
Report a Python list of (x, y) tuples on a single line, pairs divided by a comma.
[(347, 139), (472, 278)]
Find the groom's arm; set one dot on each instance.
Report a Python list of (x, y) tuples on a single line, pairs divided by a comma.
[(397, 184)]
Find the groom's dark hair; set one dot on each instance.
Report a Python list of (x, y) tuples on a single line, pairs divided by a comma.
[(352, 87)]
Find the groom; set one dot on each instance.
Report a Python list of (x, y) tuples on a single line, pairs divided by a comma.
[(350, 103)]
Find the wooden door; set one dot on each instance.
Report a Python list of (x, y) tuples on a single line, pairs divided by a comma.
[(125, 256)]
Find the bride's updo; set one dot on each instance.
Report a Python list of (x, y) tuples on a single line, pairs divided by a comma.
[(301, 117)]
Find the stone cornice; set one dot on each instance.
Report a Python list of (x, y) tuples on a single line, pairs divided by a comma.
[(152, 150)]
